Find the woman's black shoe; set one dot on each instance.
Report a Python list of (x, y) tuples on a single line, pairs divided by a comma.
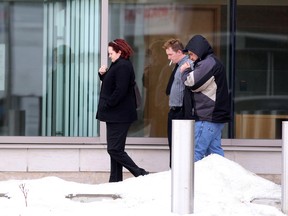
[(144, 172)]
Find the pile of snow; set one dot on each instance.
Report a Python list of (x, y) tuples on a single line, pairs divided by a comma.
[(222, 188)]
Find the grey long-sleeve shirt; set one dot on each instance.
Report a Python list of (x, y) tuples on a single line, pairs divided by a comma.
[(177, 89)]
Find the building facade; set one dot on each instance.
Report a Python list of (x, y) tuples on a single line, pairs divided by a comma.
[(50, 52)]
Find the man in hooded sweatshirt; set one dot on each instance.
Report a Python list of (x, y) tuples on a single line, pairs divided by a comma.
[(210, 106)]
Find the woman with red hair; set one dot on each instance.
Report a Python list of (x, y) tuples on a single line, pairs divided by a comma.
[(117, 107)]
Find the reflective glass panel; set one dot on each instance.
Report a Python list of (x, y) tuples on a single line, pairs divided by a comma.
[(49, 57), (261, 101), (146, 26)]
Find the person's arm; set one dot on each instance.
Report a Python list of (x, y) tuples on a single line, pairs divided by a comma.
[(185, 70), (102, 71), (201, 76)]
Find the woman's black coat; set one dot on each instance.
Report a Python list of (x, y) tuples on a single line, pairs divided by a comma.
[(117, 98)]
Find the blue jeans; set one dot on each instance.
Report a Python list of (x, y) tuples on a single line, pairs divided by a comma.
[(207, 139)]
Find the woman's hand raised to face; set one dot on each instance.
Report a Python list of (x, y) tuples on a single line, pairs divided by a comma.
[(103, 69)]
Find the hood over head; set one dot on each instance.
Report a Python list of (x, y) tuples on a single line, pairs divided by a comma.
[(199, 45)]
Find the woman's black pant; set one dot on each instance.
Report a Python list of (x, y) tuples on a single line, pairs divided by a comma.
[(176, 113), (116, 140)]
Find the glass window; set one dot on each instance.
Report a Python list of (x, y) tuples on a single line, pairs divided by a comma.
[(146, 26), (261, 101), (49, 57)]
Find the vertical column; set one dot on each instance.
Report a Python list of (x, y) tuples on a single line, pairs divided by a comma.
[(182, 166), (284, 167), (103, 50)]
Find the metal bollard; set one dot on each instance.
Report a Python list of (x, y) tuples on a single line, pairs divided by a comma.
[(182, 173), (284, 167)]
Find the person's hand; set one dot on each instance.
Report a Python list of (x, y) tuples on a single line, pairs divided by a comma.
[(103, 69), (184, 66)]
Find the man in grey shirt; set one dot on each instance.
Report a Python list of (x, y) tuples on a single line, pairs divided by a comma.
[(175, 88)]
